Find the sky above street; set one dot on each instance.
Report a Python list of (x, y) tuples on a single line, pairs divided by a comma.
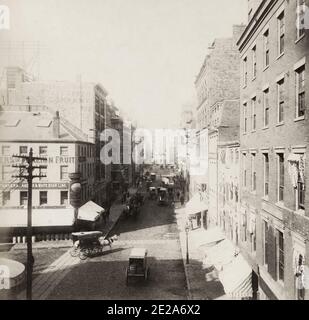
[(146, 53)]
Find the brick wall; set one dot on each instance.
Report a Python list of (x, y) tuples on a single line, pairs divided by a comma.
[(275, 138)]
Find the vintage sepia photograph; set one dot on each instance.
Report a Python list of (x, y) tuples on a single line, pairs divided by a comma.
[(154, 150)]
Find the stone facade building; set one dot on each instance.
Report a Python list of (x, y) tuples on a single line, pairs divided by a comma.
[(274, 133), (84, 104), (217, 82), (67, 151)]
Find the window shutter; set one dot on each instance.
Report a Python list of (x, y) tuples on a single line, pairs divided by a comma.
[(272, 253)]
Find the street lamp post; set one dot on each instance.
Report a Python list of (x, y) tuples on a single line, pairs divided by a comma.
[(187, 229)]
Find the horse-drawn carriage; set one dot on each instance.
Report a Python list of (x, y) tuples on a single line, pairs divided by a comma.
[(138, 265), (133, 205), (89, 244), (163, 197), (152, 193), (148, 184)]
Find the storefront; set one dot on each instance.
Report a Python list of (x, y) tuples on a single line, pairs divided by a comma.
[(196, 210)]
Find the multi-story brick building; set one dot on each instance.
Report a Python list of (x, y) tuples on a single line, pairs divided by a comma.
[(217, 81), (67, 151), (274, 133), (122, 172), (228, 169), (84, 104)]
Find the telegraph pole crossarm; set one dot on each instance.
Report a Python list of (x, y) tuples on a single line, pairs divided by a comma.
[(29, 177)]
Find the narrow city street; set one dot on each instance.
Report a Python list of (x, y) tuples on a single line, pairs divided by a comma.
[(104, 277)]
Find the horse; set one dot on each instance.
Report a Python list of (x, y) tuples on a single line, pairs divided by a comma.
[(108, 241)]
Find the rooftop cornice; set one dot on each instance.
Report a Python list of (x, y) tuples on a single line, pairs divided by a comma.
[(255, 22)]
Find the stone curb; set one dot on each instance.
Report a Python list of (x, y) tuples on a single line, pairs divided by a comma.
[(183, 253)]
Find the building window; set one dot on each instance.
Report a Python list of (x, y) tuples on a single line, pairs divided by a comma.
[(280, 177), (266, 49), (23, 150), (253, 172), (266, 174), (64, 198), (6, 173), (300, 94), (5, 150), (281, 33), (254, 63), (280, 256), (245, 118), (300, 189), (43, 151), (245, 71), (245, 227), (301, 11), (253, 113), (6, 197), (266, 107), (253, 240), (265, 242), (43, 198), (64, 151), (280, 93), (244, 170), (301, 195), (23, 198), (64, 173), (43, 173), (236, 156)]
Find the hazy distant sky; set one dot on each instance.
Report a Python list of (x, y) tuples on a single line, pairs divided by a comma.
[(146, 53)]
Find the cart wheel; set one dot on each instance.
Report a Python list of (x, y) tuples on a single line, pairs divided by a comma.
[(74, 252), (83, 254), (97, 250)]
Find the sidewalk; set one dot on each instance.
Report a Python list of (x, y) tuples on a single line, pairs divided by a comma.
[(49, 278), (201, 285)]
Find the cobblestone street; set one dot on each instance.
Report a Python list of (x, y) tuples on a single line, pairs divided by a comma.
[(104, 277)]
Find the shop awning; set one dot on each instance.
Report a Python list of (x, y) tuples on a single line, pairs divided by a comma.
[(195, 205), (47, 217), (90, 212), (203, 237), (219, 255), (236, 279)]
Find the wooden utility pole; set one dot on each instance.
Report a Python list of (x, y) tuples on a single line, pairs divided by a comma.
[(29, 177)]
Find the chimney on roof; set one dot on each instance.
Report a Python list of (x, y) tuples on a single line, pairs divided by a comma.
[(56, 125), (238, 30)]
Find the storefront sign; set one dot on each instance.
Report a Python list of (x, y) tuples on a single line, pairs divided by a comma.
[(24, 185)]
